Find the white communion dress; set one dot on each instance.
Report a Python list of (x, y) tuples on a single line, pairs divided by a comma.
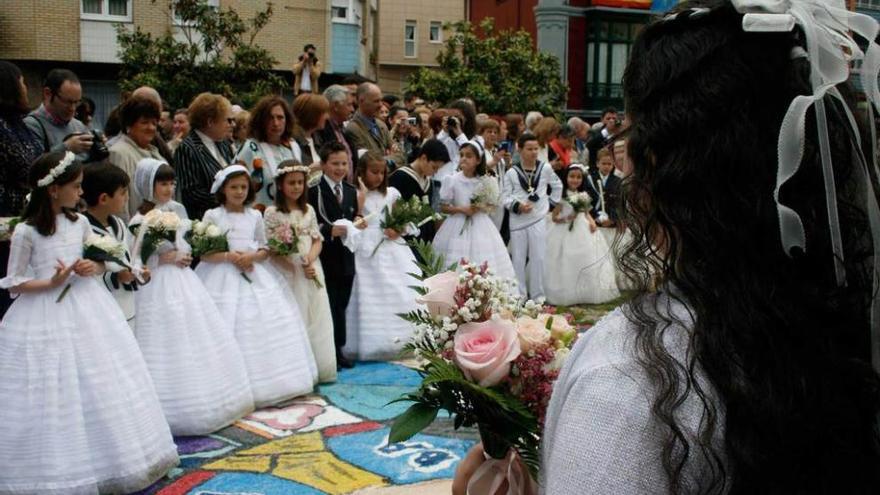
[(381, 288), (266, 319), (479, 241), (311, 294), (189, 348), (579, 267), (79, 412)]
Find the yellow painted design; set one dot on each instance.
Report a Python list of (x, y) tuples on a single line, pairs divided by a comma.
[(308, 442), (324, 471), (253, 464)]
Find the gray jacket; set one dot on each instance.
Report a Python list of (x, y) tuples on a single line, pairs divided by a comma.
[(50, 134)]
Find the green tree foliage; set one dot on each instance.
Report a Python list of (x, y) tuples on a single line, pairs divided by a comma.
[(501, 71), (214, 51)]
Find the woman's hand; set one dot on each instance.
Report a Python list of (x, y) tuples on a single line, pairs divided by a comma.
[(466, 469), (284, 262), (87, 268), (168, 257), (62, 272), (146, 275), (391, 234), (469, 210), (183, 261), (593, 226)]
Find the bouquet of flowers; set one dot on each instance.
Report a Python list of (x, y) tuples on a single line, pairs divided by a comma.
[(485, 198), (157, 226), (580, 203), (207, 238), (101, 248), (282, 235), (490, 358), (407, 216)]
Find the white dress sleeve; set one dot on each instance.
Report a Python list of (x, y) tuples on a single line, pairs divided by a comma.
[(447, 190), (259, 229), (17, 271), (312, 220)]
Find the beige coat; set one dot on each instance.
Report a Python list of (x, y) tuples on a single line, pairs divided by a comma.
[(125, 154), (314, 73)]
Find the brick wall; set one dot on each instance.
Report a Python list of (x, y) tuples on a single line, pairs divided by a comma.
[(39, 30)]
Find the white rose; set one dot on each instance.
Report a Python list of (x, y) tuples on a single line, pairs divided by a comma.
[(199, 228), (213, 231), (170, 220), (558, 359)]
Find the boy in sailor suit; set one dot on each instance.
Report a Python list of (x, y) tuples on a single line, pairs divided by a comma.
[(105, 191), (525, 196)]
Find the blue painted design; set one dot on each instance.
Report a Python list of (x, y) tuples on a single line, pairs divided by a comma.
[(251, 484), (424, 457), (346, 48), (367, 402), (378, 373)]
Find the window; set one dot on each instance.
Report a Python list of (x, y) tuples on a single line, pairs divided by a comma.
[(339, 13), (436, 34), (868, 4), (106, 10), (409, 40), (608, 47)]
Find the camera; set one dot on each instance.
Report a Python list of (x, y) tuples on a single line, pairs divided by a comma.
[(98, 152), (412, 121), (452, 122)]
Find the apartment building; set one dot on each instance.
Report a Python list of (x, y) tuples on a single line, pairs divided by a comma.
[(80, 35), (411, 35)]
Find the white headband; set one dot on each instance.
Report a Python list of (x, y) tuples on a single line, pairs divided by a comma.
[(578, 166), (292, 168), (58, 170), (220, 177), (476, 144), (145, 177)]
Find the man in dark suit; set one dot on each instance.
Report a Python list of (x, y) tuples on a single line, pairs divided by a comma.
[(604, 136), (341, 108), (334, 199)]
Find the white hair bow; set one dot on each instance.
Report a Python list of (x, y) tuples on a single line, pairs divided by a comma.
[(831, 50)]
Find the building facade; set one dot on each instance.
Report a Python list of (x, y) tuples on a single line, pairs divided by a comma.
[(411, 35), (80, 35)]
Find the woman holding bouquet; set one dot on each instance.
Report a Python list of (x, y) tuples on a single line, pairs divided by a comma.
[(579, 267), (383, 261), (302, 270), (467, 196), (251, 295), (189, 348), (80, 414), (750, 369)]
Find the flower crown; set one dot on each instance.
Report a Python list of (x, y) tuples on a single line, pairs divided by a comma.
[(294, 168), (58, 170)]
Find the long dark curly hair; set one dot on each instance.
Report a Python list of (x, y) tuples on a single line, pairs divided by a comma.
[(785, 349)]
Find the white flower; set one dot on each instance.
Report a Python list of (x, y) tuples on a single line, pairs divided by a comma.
[(558, 359), (107, 244), (199, 227), (213, 231)]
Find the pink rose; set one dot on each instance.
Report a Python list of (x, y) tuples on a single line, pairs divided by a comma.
[(531, 333), (485, 350), (440, 298)]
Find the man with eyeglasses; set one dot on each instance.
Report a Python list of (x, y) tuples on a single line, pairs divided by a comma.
[(53, 122)]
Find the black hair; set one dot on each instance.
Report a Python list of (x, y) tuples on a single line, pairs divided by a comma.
[(394, 109), (102, 178), (790, 392), (135, 108), (432, 149), (524, 138), (469, 126), (329, 148), (38, 210), (481, 165), (164, 173), (390, 100), (252, 191), (309, 47), (608, 110), (86, 108), (56, 78), (583, 187), (12, 102)]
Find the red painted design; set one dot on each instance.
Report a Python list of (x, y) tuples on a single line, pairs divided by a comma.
[(187, 483), (337, 431)]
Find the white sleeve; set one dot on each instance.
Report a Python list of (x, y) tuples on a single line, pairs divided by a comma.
[(603, 440), (447, 190), (260, 230), (555, 185), (507, 191), (17, 271)]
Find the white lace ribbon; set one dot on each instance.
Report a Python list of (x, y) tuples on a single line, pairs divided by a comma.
[(830, 48)]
